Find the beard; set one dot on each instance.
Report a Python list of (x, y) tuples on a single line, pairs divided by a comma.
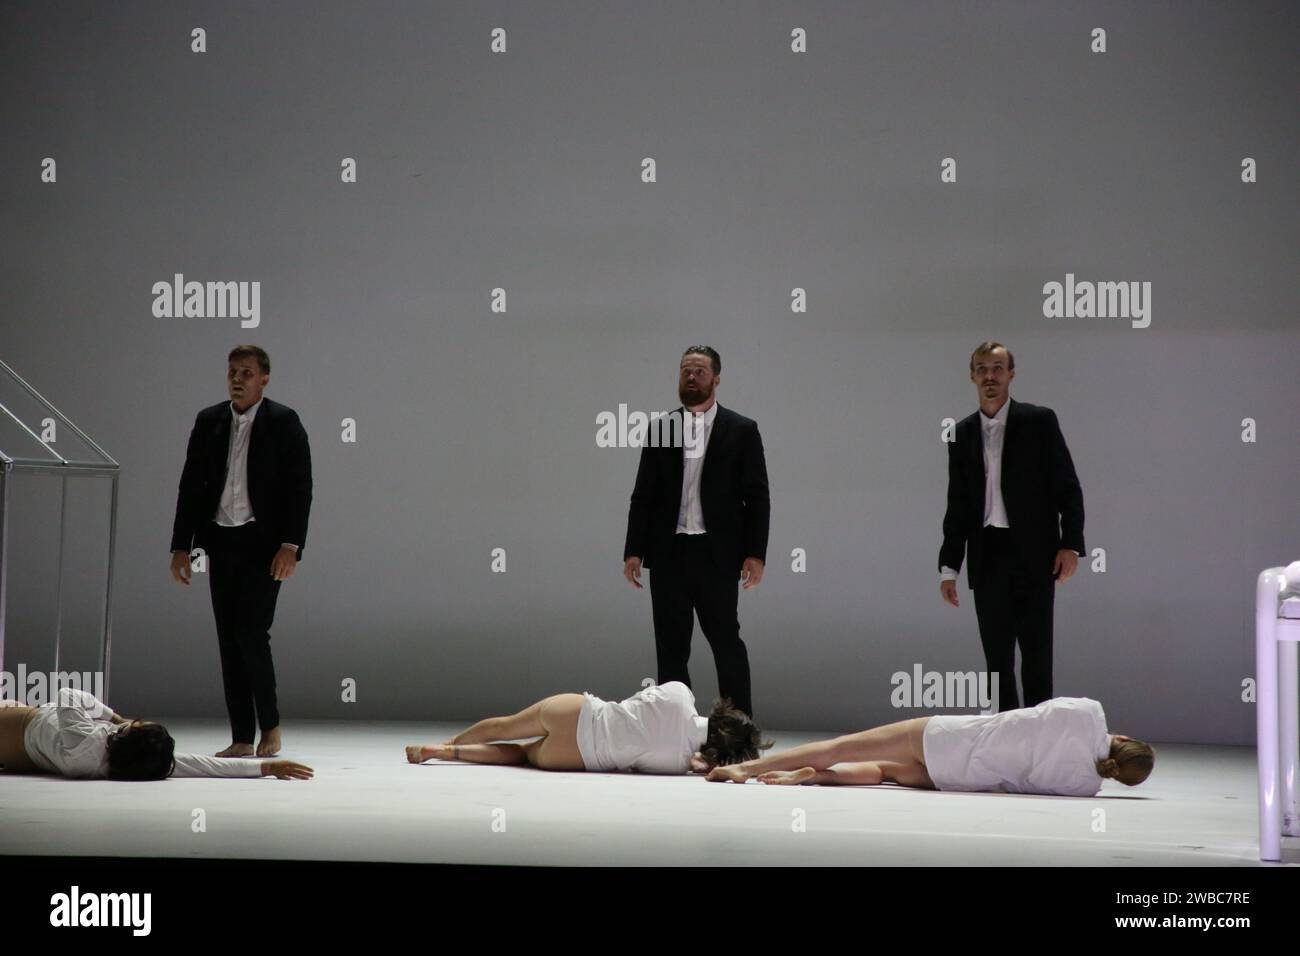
[(693, 394)]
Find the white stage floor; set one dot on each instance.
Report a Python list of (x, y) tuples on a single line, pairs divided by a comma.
[(368, 804)]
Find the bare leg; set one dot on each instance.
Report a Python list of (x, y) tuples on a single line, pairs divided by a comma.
[(554, 719), (558, 750), (899, 742), (526, 723), (470, 753), (867, 773)]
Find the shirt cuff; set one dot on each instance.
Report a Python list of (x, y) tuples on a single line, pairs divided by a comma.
[(292, 547), (947, 574)]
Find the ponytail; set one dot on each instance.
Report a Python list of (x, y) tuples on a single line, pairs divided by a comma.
[(1129, 762)]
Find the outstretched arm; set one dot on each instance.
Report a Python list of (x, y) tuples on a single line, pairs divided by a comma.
[(199, 765)]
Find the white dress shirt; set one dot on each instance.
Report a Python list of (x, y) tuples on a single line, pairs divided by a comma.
[(696, 429), (70, 737), (1052, 748), (995, 511), (234, 509), (654, 731)]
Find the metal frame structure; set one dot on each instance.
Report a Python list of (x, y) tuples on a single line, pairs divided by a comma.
[(1277, 705), (64, 468)]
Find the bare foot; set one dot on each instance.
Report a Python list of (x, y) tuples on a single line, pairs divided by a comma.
[(417, 753), (237, 750), (730, 773), (269, 745), (788, 777)]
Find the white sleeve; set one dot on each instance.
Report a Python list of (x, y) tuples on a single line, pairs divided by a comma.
[(199, 765), (73, 713), (85, 702), (679, 692)]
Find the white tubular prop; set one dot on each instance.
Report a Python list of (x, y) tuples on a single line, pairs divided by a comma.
[(1277, 713)]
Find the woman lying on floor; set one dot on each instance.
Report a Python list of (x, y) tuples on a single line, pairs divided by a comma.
[(78, 736), (1059, 747), (655, 731)]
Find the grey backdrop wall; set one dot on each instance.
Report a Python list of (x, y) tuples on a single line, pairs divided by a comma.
[(776, 170)]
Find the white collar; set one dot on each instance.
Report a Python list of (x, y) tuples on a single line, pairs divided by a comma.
[(704, 417), (248, 415), (1000, 417)]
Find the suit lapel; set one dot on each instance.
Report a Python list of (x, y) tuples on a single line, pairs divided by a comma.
[(258, 431), (1010, 429), (717, 434), (1009, 434), (221, 438), (678, 458)]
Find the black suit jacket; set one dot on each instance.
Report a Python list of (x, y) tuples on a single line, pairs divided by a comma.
[(279, 476), (733, 494), (1039, 488)]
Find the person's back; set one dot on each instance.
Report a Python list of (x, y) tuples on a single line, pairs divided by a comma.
[(1051, 749), (69, 736), (654, 731)]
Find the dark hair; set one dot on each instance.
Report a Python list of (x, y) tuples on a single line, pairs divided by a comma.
[(984, 348), (732, 738), (1130, 762), (714, 358), (143, 752), (251, 351)]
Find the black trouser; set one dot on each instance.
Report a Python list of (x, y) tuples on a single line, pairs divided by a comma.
[(1013, 602), (686, 580), (243, 602)]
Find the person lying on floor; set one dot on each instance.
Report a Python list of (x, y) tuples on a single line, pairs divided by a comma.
[(79, 736), (1059, 747), (654, 731)]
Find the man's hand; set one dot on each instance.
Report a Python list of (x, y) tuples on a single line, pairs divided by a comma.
[(181, 570), (286, 770), (751, 572), (1067, 562), (284, 563), (948, 591), (699, 764), (632, 571)]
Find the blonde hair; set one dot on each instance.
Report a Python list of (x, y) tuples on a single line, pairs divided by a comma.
[(984, 348), (1130, 762)]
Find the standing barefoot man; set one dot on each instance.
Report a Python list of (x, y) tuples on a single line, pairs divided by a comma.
[(244, 497)]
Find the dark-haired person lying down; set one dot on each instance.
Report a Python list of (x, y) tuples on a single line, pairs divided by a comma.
[(79, 736), (654, 731), (1061, 747)]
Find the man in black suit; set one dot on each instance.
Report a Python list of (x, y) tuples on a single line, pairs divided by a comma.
[(244, 497), (698, 521), (1015, 506)]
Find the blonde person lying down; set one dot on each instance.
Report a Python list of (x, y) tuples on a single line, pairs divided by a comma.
[(1060, 747)]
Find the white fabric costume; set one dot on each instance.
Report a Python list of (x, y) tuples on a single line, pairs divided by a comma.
[(655, 731), (70, 737), (1051, 749)]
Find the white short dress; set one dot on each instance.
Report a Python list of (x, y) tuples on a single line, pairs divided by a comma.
[(654, 731), (1049, 749), (70, 737)]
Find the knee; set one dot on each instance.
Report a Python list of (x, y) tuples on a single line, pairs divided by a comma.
[(844, 749)]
